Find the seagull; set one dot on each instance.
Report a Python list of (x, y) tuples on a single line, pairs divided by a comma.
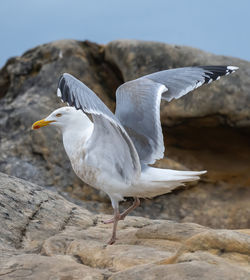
[(114, 152)]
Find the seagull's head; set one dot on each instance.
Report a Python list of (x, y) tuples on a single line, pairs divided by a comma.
[(63, 117)]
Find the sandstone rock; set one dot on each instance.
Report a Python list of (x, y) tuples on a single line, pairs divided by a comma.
[(30, 266), (43, 236), (184, 271), (207, 129)]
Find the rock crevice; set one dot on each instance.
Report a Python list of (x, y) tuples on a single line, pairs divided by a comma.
[(29, 220)]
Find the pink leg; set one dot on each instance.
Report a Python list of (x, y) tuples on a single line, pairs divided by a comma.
[(116, 220), (122, 216), (135, 204)]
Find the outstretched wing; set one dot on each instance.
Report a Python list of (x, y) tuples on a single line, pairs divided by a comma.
[(138, 103), (109, 147)]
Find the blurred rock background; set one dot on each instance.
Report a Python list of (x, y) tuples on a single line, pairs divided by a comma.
[(207, 129)]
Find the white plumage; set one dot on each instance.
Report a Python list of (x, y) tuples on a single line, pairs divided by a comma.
[(112, 152)]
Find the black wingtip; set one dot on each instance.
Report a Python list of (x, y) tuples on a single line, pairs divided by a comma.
[(213, 73), (63, 90)]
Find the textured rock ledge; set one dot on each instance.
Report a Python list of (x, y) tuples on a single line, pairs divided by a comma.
[(43, 236)]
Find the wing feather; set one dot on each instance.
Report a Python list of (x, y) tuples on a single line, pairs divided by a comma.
[(138, 103), (138, 109), (109, 146)]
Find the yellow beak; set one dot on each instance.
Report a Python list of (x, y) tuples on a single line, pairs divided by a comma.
[(40, 123)]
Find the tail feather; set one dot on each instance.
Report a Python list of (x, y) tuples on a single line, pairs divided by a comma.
[(157, 181), (158, 174), (184, 173)]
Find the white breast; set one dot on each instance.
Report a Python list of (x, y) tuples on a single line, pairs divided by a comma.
[(85, 172)]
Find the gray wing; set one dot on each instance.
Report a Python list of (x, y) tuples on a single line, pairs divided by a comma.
[(110, 148), (138, 103)]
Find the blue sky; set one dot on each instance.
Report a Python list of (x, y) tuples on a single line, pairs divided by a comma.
[(217, 26)]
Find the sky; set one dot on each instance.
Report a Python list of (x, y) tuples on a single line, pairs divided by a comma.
[(217, 26)]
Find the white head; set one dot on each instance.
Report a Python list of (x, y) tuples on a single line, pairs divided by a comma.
[(65, 118)]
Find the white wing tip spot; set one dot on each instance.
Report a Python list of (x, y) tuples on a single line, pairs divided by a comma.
[(59, 94), (232, 68)]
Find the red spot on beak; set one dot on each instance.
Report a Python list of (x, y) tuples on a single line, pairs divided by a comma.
[(40, 124), (36, 127)]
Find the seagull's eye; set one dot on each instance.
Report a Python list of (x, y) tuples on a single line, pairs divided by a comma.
[(58, 115)]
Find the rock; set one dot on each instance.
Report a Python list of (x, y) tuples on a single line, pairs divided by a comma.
[(184, 271), (32, 266), (207, 129), (44, 236)]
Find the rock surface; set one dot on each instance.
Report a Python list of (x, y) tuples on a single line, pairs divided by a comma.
[(44, 236), (207, 129)]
